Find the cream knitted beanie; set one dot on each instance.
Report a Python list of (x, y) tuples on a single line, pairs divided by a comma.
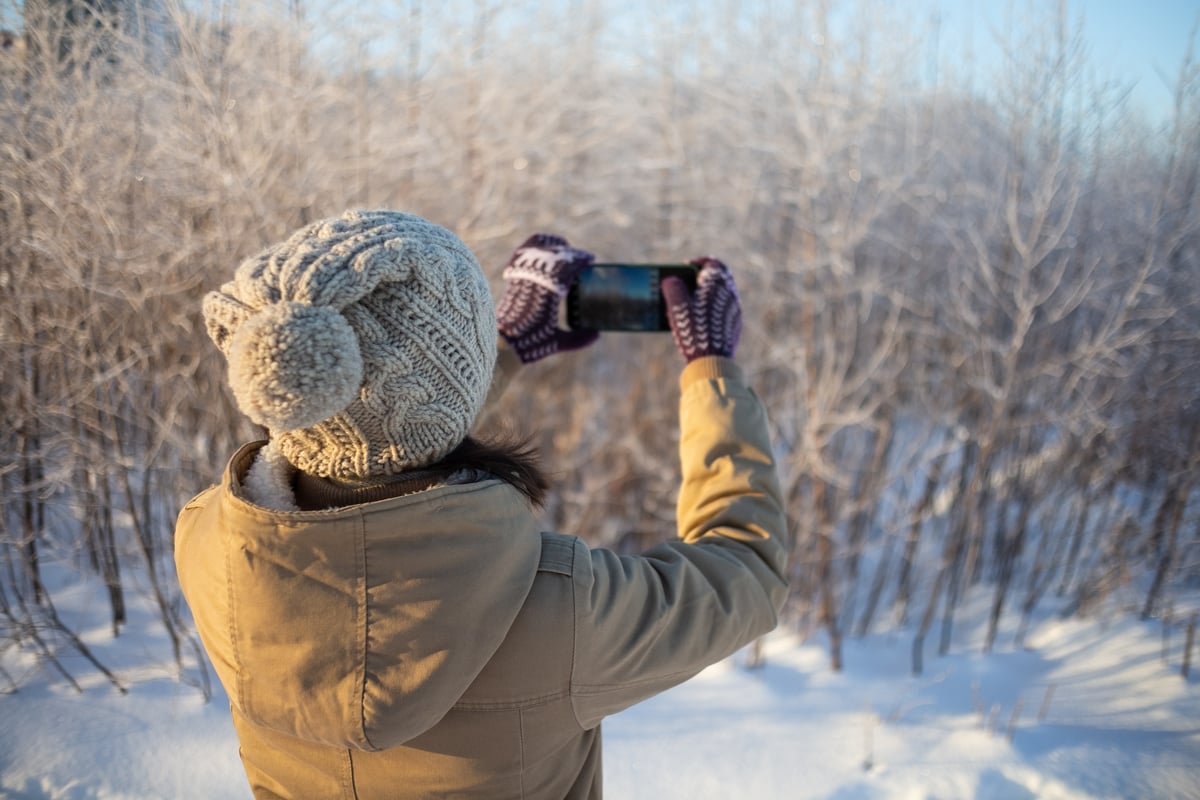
[(364, 343)]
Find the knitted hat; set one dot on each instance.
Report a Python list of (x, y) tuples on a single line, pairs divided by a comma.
[(364, 343)]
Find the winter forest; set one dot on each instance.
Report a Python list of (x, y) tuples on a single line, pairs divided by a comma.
[(972, 296)]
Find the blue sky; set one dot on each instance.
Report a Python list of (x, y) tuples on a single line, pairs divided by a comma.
[(1138, 42), (1145, 40), (1142, 42)]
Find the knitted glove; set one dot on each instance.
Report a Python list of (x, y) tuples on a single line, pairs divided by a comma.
[(539, 274), (710, 323)]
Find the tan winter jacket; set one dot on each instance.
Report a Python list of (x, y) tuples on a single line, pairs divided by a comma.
[(440, 644)]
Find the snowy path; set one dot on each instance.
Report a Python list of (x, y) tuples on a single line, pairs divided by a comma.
[(1119, 723)]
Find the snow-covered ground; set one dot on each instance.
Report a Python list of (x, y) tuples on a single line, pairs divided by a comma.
[(1087, 710)]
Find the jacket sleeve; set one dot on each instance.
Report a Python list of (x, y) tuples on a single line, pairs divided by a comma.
[(645, 623)]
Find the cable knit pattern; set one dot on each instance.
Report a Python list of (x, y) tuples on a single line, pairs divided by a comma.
[(539, 274), (710, 323), (364, 343)]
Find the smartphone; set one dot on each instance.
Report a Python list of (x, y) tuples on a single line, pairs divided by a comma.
[(623, 297)]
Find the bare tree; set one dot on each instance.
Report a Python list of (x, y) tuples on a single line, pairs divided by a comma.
[(971, 314)]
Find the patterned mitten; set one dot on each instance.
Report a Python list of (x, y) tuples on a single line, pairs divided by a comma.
[(539, 274), (710, 323)]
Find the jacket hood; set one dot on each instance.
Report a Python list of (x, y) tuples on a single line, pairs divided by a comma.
[(359, 626)]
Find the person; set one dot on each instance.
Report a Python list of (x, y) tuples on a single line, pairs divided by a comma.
[(372, 583)]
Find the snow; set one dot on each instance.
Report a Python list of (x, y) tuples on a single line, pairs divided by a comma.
[(1091, 708), (1118, 724)]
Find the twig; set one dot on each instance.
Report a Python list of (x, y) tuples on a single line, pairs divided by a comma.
[(1187, 647), (1045, 707), (1012, 720)]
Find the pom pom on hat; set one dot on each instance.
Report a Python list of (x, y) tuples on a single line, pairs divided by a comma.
[(292, 365)]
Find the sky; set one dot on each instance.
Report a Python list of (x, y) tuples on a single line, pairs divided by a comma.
[(1137, 42), (1142, 42), (1145, 39)]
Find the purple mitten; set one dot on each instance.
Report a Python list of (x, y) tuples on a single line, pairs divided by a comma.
[(539, 274), (710, 323)]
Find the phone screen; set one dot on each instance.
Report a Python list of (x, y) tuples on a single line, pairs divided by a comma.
[(623, 297)]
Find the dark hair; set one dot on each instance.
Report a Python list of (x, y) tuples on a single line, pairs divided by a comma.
[(510, 458)]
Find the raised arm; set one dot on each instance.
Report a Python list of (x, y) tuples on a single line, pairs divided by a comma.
[(645, 623)]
